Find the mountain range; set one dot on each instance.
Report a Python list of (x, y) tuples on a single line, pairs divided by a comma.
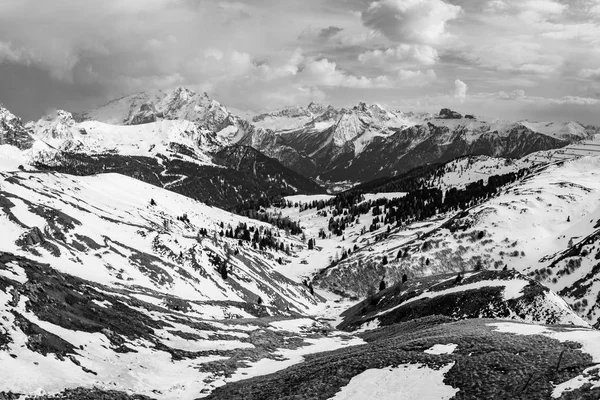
[(323, 143)]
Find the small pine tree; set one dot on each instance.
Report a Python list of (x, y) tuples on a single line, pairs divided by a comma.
[(384, 261), (259, 301), (479, 266), (152, 202), (382, 285), (458, 279), (404, 278)]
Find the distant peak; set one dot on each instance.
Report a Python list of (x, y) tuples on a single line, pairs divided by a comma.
[(6, 115), (362, 106), (182, 93), (315, 108), (447, 113)]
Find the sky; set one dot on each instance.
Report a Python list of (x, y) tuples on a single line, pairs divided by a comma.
[(511, 59)]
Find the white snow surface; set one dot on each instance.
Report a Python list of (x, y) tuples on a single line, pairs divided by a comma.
[(404, 382), (11, 157), (438, 349)]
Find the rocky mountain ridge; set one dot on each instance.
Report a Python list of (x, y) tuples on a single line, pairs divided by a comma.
[(12, 131)]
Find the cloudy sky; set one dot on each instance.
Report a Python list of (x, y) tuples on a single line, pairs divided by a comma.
[(536, 59)]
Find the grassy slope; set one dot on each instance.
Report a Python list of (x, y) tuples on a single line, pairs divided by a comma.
[(487, 364)]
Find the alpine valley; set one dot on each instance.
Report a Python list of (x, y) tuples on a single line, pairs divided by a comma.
[(162, 246)]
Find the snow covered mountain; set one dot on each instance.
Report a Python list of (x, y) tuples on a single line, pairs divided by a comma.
[(182, 150), (338, 145), (178, 104), (331, 145), (367, 141)]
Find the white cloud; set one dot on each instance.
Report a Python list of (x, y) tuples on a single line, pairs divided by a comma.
[(521, 97), (281, 64), (521, 55), (595, 10), (325, 73), (541, 7), (218, 64), (402, 54), (495, 6), (416, 78), (8, 53), (411, 21), (590, 73), (460, 90), (514, 95)]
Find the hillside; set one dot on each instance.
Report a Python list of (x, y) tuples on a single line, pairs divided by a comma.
[(544, 226), (108, 341), (435, 358), (105, 270), (484, 294), (126, 232)]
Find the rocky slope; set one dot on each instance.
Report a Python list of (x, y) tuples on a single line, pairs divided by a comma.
[(485, 294), (12, 131)]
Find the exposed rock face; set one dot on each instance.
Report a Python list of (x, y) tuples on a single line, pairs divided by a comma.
[(147, 113), (12, 131), (447, 113)]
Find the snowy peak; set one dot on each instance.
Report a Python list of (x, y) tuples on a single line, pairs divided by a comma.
[(178, 104), (7, 117), (561, 130), (60, 126), (315, 108)]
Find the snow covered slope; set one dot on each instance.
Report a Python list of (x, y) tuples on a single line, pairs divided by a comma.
[(64, 134), (60, 332), (125, 286), (106, 229)]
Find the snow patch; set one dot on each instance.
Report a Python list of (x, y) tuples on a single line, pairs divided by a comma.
[(438, 349), (405, 382)]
